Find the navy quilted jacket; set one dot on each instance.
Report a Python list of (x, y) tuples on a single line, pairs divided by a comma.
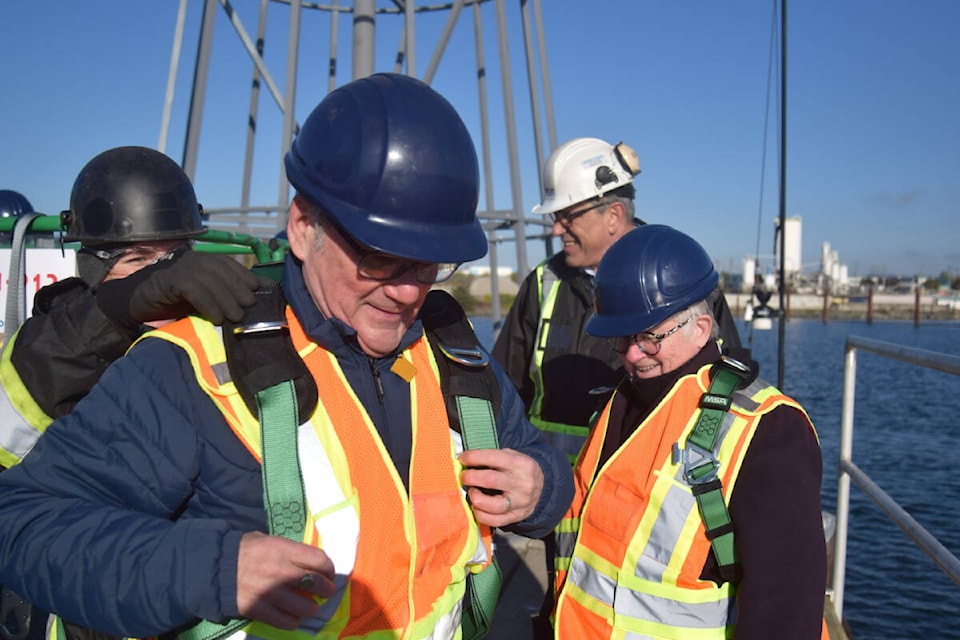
[(127, 515)]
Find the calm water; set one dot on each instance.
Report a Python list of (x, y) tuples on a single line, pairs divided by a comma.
[(906, 430)]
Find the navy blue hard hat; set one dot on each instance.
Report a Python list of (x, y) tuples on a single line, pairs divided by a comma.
[(393, 165), (648, 275), (131, 194), (13, 204)]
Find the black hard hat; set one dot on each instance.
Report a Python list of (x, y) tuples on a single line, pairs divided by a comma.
[(131, 194), (13, 204), (391, 162)]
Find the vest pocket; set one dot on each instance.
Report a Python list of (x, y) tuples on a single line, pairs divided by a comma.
[(612, 510)]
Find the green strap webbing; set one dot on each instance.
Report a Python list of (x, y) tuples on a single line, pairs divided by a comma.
[(478, 430), (283, 496), (707, 489)]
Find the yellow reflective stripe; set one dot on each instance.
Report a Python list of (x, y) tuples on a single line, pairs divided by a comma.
[(22, 421), (567, 438), (547, 301)]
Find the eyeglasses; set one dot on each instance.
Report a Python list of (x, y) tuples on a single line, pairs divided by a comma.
[(381, 267), (566, 218), (139, 253), (648, 342)]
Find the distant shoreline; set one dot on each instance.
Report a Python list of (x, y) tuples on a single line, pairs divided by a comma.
[(842, 311)]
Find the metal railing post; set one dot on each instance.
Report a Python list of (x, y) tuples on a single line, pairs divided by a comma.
[(843, 480)]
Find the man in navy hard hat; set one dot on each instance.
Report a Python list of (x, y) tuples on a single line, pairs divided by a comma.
[(397, 513), (698, 500)]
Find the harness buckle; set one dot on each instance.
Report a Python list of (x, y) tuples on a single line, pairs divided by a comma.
[(739, 369), (260, 327), (468, 357), (700, 466)]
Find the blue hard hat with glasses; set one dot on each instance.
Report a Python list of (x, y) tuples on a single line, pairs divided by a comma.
[(647, 276), (393, 166)]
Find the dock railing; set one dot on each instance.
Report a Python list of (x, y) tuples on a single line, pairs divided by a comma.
[(922, 538)]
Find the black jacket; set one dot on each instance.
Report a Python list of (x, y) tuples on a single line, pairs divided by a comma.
[(65, 346)]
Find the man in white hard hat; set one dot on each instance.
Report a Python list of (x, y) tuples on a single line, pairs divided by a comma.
[(563, 374), (588, 190)]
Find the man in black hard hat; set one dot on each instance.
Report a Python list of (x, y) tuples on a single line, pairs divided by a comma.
[(364, 509), (130, 208), (134, 212)]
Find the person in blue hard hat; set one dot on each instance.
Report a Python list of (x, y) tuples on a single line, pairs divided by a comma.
[(168, 512), (698, 489), (13, 204)]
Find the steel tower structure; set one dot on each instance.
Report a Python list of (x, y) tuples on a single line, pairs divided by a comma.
[(503, 225)]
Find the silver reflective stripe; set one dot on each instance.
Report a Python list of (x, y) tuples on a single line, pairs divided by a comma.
[(665, 533), (646, 607), (334, 517), (673, 515), (690, 615), (596, 585), (565, 544), (17, 436), (744, 397)]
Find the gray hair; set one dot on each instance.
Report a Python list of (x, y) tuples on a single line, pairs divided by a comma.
[(317, 215), (702, 308), (629, 207)]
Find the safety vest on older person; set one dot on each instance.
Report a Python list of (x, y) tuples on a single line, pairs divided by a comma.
[(632, 546), (401, 565)]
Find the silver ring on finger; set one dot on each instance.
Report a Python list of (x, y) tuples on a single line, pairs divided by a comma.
[(306, 582), (509, 504)]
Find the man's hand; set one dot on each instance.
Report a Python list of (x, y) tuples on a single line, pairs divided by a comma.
[(503, 485), (277, 580), (188, 282)]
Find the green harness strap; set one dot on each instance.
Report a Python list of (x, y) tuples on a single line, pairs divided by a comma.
[(700, 464), (478, 430), (470, 394), (283, 496)]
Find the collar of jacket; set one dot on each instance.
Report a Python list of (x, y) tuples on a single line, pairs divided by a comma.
[(330, 333)]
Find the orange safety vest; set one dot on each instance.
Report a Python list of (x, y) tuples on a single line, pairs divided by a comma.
[(632, 546), (401, 560)]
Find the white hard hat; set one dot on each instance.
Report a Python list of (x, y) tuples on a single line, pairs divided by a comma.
[(585, 168)]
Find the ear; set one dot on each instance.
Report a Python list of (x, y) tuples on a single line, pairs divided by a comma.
[(300, 231), (615, 223), (703, 326)]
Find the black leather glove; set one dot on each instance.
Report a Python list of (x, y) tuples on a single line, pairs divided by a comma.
[(214, 286)]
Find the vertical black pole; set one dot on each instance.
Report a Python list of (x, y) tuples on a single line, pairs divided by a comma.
[(783, 187)]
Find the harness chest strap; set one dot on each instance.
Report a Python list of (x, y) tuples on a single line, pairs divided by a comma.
[(701, 467)]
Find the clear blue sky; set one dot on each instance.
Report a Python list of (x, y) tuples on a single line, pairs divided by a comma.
[(873, 109)]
